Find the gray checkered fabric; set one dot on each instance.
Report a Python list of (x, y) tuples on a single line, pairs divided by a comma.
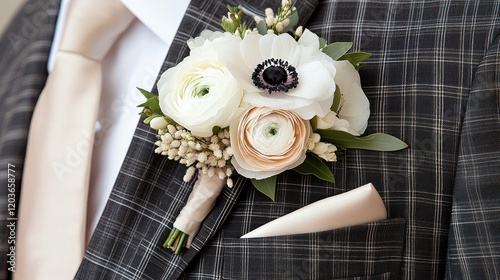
[(433, 81), (474, 240), (24, 49)]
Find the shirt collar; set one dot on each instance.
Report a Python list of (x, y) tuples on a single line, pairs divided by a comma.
[(159, 15)]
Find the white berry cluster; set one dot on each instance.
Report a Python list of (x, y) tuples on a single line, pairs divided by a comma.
[(279, 22), (211, 155)]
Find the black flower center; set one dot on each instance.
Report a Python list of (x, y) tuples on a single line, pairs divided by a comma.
[(275, 75)]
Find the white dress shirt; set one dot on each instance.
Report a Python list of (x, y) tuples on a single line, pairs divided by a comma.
[(134, 61)]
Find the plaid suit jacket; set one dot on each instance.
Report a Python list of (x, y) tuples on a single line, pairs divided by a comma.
[(433, 80)]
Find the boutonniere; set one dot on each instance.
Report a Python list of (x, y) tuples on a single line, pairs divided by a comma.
[(258, 101)]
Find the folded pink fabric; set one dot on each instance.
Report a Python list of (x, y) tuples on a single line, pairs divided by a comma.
[(355, 207)]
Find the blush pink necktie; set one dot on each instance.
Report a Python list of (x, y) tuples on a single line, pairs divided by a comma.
[(53, 205)]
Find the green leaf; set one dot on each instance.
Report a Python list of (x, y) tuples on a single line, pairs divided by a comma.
[(148, 119), (337, 50), (322, 42), (146, 93), (315, 166), (151, 116), (233, 9), (242, 29), (153, 103), (266, 186), (373, 142), (262, 27), (146, 112), (294, 19), (228, 25), (360, 67), (337, 99), (314, 123), (356, 57)]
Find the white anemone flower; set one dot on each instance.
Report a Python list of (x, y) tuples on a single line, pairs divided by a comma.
[(279, 72)]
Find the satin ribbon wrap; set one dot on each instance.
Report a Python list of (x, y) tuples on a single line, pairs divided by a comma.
[(200, 202)]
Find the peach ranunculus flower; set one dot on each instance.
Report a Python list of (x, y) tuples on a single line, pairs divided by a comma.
[(267, 141)]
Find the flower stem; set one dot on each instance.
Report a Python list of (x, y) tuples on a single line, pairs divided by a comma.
[(176, 241), (170, 235), (182, 242)]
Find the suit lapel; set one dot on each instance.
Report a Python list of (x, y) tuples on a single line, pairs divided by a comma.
[(149, 192), (25, 46)]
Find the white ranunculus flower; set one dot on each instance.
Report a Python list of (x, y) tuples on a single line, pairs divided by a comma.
[(344, 125), (355, 105), (200, 92), (333, 122), (266, 142), (327, 121), (279, 72), (208, 37)]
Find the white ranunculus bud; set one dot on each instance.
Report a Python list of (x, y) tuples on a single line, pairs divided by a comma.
[(158, 123), (325, 151), (320, 148), (299, 31), (315, 138), (327, 121)]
